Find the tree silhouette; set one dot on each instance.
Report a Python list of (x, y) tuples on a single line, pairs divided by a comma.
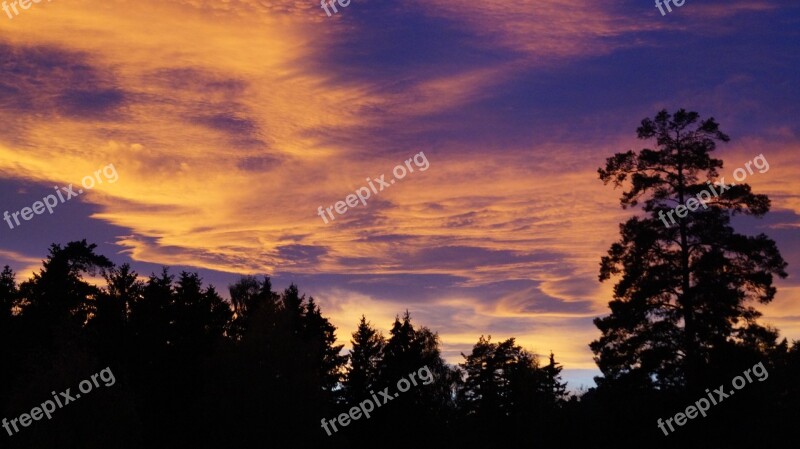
[(113, 310), (8, 295), (503, 380), (365, 359), (194, 370), (403, 351), (684, 290), (506, 391), (58, 294), (251, 298), (482, 390), (556, 389)]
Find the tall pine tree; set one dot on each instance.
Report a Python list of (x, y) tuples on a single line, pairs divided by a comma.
[(685, 289)]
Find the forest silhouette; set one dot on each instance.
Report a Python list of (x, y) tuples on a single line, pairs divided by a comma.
[(194, 370)]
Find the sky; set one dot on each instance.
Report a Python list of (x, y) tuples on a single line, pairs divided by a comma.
[(219, 128)]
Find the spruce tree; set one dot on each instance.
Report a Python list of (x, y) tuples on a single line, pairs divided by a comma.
[(365, 359)]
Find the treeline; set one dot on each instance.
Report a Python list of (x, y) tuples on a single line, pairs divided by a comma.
[(194, 370)]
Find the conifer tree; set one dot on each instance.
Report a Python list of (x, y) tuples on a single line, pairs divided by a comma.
[(365, 359), (685, 291)]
